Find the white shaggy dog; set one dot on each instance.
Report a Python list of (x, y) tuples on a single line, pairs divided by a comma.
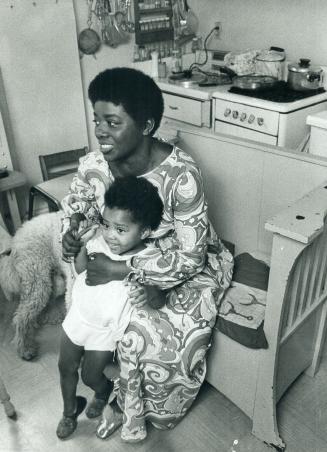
[(35, 273)]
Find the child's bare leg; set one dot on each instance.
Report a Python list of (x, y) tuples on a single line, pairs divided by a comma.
[(69, 361), (92, 375)]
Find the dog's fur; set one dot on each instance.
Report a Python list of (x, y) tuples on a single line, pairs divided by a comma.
[(35, 273)]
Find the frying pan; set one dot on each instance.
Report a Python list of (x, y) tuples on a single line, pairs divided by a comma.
[(254, 82), (249, 82)]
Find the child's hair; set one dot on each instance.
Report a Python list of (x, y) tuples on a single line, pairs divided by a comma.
[(139, 197)]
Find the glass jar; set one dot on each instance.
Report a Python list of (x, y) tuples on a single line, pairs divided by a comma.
[(176, 61)]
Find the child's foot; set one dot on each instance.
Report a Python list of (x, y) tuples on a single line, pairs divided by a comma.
[(95, 407), (68, 424)]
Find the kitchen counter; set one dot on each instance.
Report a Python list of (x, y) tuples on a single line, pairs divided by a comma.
[(196, 92), (221, 92)]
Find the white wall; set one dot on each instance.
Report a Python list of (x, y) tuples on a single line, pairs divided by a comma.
[(298, 26), (42, 78)]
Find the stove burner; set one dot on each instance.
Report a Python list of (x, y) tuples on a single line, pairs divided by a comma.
[(279, 93)]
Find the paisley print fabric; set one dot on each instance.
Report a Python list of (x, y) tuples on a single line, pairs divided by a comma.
[(162, 355)]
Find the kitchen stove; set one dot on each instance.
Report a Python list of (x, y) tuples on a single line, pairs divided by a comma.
[(279, 93), (276, 116)]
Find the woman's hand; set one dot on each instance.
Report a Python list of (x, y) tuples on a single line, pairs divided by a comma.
[(139, 295), (101, 269), (70, 244)]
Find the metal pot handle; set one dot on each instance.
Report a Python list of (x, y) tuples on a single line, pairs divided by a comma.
[(312, 76)]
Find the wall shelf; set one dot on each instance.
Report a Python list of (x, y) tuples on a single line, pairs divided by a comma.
[(153, 24)]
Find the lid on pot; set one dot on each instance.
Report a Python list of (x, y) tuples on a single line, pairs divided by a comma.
[(303, 66), (271, 55)]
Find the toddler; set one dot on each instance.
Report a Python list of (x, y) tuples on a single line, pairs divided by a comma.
[(99, 314)]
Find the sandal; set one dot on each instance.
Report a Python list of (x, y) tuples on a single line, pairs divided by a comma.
[(111, 420), (67, 424), (95, 408)]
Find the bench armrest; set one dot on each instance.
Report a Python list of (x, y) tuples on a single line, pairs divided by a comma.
[(304, 219)]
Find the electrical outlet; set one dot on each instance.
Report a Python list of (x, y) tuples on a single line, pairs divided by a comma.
[(218, 29)]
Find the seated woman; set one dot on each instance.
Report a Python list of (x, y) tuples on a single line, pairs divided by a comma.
[(162, 355)]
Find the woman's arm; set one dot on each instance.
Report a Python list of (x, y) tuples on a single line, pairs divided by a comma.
[(87, 189), (101, 269), (185, 255)]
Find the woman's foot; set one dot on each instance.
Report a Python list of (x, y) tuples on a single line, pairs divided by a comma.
[(68, 424), (95, 407), (112, 419)]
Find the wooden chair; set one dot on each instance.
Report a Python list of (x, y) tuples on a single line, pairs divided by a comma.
[(52, 166)]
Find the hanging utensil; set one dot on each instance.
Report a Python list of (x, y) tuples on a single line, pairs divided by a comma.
[(89, 41), (181, 16), (120, 27), (129, 22), (192, 21)]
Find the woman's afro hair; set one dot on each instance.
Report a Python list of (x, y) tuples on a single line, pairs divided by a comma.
[(137, 196), (138, 94)]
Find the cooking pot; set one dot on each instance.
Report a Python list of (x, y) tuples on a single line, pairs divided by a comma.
[(303, 77), (271, 62)]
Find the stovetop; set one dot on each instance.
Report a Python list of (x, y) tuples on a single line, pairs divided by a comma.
[(279, 93)]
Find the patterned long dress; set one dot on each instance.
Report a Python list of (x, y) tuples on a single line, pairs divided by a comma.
[(162, 354)]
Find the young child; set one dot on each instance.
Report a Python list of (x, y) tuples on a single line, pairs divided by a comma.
[(99, 314)]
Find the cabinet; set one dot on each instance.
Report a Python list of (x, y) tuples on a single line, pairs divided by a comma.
[(191, 111), (153, 21)]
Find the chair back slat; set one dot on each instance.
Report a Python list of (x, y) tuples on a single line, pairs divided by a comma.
[(60, 163)]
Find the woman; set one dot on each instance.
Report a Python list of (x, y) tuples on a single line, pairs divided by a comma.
[(162, 354)]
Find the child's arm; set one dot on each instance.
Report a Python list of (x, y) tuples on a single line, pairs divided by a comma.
[(82, 257), (80, 262)]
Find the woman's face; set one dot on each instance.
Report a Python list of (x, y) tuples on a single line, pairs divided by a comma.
[(117, 133)]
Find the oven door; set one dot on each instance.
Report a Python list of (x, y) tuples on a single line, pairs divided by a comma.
[(242, 132)]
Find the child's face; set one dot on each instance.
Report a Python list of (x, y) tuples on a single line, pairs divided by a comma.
[(119, 231)]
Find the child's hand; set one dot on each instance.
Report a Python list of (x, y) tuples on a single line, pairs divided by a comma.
[(86, 232), (77, 221)]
